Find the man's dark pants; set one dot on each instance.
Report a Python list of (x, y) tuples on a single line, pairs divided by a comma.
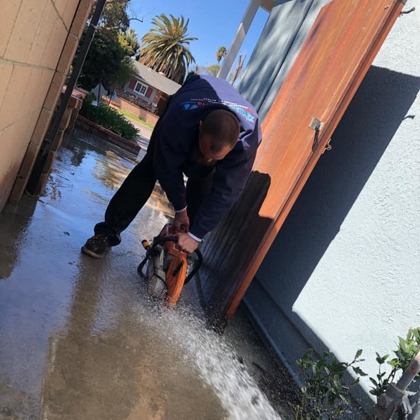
[(136, 190)]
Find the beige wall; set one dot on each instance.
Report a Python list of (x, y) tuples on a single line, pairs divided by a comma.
[(38, 39)]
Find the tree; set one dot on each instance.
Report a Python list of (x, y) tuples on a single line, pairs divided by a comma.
[(106, 62), (129, 41), (213, 69), (124, 72), (166, 47), (133, 41), (108, 59), (114, 15), (220, 53)]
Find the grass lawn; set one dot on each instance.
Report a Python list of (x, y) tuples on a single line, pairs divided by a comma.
[(133, 117)]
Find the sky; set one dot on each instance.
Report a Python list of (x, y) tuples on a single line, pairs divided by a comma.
[(213, 22)]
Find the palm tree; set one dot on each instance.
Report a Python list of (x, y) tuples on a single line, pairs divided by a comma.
[(220, 53), (133, 44), (165, 47)]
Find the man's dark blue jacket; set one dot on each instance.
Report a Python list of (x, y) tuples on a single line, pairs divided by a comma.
[(178, 135)]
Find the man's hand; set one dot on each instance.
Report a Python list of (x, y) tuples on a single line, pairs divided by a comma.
[(186, 243), (182, 222)]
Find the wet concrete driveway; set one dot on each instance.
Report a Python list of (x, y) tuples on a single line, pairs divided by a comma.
[(79, 338)]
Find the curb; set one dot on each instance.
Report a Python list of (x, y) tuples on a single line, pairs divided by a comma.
[(110, 136)]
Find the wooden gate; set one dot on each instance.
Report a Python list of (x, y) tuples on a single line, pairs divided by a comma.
[(332, 63)]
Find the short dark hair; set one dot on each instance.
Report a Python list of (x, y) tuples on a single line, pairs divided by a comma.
[(222, 127)]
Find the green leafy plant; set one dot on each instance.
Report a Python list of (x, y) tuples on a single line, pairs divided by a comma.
[(408, 348), (108, 118), (327, 392)]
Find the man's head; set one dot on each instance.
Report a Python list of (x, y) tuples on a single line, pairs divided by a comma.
[(219, 133)]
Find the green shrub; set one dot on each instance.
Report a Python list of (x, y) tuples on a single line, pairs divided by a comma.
[(108, 118), (327, 392), (407, 350)]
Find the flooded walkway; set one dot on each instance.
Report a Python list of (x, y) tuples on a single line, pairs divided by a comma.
[(79, 338)]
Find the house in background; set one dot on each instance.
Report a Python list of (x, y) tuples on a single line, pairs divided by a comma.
[(148, 89)]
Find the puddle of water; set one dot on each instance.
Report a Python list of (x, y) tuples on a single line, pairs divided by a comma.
[(215, 360), (206, 352)]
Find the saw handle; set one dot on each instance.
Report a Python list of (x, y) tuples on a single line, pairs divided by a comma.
[(159, 240), (196, 267)]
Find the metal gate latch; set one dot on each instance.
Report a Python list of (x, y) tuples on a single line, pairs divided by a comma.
[(315, 124)]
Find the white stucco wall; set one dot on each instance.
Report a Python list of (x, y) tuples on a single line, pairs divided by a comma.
[(344, 272)]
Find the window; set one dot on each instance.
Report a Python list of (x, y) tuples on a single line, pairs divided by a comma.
[(140, 88)]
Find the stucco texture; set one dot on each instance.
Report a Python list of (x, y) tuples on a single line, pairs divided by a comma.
[(343, 273)]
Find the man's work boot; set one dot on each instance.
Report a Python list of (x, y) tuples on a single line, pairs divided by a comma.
[(97, 246)]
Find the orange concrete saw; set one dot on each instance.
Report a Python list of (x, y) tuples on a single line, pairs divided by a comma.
[(167, 266)]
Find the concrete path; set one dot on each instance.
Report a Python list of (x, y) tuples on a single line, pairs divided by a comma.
[(81, 340), (144, 132)]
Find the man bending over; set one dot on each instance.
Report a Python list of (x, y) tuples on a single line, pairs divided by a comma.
[(210, 134)]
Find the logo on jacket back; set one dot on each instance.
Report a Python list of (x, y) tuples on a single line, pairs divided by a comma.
[(245, 111)]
